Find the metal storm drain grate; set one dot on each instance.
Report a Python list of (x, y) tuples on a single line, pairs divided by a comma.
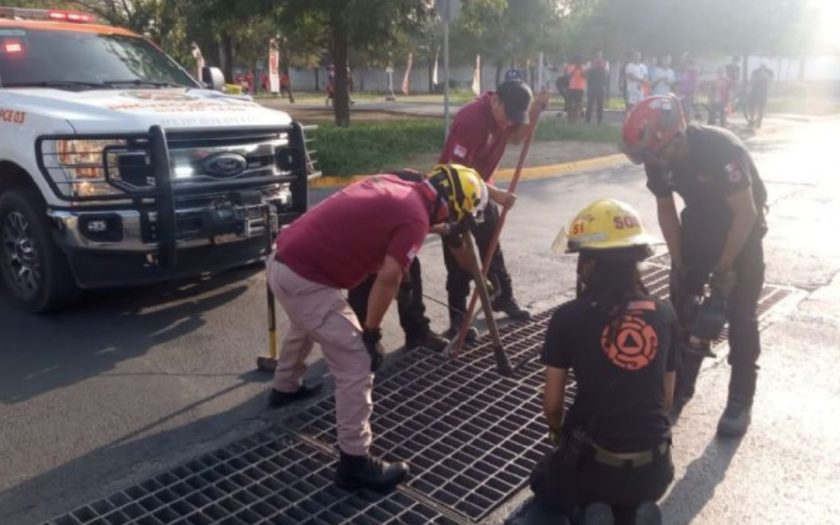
[(271, 477), (471, 436)]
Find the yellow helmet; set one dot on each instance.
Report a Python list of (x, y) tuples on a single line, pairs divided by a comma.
[(606, 224), (462, 188)]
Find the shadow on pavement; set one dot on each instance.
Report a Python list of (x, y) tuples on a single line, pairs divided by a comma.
[(690, 493), (127, 461), (42, 353)]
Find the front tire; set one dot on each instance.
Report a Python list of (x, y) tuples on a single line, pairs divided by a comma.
[(34, 270)]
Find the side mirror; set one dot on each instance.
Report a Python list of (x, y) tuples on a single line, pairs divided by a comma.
[(213, 78)]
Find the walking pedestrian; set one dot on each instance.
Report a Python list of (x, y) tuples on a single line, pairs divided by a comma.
[(597, 83), (760, 86), (719, 233), (477, 138), (377, 225), (613, 455)]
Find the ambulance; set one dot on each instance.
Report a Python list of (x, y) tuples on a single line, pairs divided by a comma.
[(119, 168)]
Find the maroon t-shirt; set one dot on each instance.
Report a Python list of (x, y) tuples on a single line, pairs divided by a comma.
[(346, 237), (475, 140)]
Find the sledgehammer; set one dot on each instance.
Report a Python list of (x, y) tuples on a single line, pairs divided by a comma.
[(267, 363)]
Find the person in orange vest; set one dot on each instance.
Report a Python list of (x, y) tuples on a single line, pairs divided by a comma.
[(577, 85)]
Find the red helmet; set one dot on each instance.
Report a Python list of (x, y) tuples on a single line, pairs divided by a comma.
[(650, 125)]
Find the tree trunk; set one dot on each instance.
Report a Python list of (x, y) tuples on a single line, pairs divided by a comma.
[(498, 73), (317, 81), (338, 47), (431, 64)]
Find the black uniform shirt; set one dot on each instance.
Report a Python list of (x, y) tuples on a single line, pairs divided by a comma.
[(620, 379), (717, 165)]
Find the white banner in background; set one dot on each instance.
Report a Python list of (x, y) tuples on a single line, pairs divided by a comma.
[(273, 67), (405, 84), (476, 83), (435, 69)]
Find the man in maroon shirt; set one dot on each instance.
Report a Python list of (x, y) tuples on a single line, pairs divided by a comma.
[(373, 226), (477, 138)]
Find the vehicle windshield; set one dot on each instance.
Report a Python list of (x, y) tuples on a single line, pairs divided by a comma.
[(84, 60)]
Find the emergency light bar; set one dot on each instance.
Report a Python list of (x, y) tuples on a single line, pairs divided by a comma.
[(18, 13)]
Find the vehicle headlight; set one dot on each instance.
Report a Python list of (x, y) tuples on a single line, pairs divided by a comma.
[(77, 166)]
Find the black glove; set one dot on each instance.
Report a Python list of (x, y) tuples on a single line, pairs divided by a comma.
[(676, 286), (722, 283), (372, 338)]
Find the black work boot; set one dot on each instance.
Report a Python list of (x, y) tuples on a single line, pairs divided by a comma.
[(735, 419), (356, 472), (648, 513), (430, 340), (509, 306), (597, 514), (277, 399)]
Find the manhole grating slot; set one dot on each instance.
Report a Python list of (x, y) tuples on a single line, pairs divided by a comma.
[(271, 477)]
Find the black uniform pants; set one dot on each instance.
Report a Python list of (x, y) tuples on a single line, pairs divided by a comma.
[(410, 305), (458, 279), (595, 100), (561, 488), (700, 252)]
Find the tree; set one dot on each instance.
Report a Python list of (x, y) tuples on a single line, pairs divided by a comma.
[(360, 24)]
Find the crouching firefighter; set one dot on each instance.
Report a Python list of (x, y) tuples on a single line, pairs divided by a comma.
[(373, 226), (613, 455), (716, 240)]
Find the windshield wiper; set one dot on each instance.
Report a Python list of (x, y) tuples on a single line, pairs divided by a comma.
[(60, 84), (140, 82)]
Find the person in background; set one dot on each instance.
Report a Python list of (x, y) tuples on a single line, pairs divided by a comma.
[(248, 86), (613, 455), (688, 81), (635, 74), (720, 97), (597, 84), (577, 86), (759, 88), (733, 72), (622, 78), (330, 86), (662, 76)]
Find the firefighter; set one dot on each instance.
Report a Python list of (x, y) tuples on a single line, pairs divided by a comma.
[(477, 138), (613, 458), (373, 226), (410, 305), (715, 240)]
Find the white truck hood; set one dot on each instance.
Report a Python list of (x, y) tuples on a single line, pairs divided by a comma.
[(136, 110)]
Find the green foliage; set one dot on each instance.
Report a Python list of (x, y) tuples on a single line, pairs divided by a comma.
[(369, 147)]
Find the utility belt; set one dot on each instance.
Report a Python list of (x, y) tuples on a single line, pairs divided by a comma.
[(629, 459), (576, 448)]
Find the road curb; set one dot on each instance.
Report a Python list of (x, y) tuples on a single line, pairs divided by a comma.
[(505, 175)]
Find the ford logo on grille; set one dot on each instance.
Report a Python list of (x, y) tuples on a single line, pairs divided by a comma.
[(224, 164)]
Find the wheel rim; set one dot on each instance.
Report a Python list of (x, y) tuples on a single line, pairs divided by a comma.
[(21, 254)]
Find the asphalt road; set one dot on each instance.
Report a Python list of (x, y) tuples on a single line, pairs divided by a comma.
[(130, 382)]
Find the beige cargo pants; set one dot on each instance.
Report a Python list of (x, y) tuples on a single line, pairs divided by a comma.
[(318, 313)]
